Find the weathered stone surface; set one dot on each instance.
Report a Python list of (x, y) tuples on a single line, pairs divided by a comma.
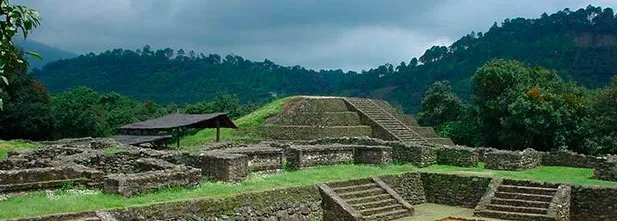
[(377, 155), (455, 190), (223, 166), (457, 156), (593, 203), (408, 185), (128, 185), (606, 170), (512, 160), (570, 159), (309, 156), (284, 204), (261, 157)]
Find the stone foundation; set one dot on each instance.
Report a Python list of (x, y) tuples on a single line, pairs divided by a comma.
[(310, 156), (512, 160), (457, 156), (261, 158), (224, 166), (376, 155), (606, 170), (128, 185)]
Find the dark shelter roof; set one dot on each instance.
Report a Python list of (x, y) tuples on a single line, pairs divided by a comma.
[(183, 120), (136, 140)]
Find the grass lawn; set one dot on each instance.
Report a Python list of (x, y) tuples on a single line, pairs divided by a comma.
[(247, 127), (41, 203), (6, 146)]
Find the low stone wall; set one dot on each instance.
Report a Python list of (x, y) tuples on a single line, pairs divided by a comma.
[(261, 158), (454, 190), (512, 160), (302, 203), (285, 132), (408, 185), (482, 151), (560, 205), (131, 184), (222, 166), (418, 154), (457, 156), (606, 170), (570, 159), (45, 178), (335, 208), (593, 203), (309, 156), (377, 155)]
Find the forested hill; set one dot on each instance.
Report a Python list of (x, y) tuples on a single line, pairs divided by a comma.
[(580, 44)]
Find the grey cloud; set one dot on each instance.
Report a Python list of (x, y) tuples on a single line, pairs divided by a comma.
[(347, 34)]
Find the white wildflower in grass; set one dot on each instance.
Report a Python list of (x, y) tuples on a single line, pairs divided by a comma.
[(58, 194), (4, 197)]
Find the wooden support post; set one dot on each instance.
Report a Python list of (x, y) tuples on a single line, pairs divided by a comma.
[(178, 138), (218, 130)]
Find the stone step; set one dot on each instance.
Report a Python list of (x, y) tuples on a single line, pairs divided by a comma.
[(354, 182), (529, 183), (362, 193), (517, 209), (390, 215), (514, 216), (515, 202), (383, 209), (374, 204), (523, 196), (527, 189), (94, 218), (368, 199), (355, 188)]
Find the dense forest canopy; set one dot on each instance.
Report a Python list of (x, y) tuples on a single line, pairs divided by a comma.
[(579, 45)]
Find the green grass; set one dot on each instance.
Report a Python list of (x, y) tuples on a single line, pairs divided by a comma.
[(248, 126), (6, 146)]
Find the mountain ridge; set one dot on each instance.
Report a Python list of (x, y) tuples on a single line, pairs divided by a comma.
[(580, 44)]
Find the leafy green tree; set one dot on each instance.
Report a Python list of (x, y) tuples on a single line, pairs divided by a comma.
[(27, 111), (599, 132), (521, 107), (440, 105), (14, 19)]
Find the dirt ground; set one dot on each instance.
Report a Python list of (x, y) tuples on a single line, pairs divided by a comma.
[(434, 212)]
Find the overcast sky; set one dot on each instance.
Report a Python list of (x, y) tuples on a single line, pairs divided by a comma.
[(326, 34)]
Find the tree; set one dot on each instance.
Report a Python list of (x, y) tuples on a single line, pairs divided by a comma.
[(521, 107), (27, 112), (440, 105), (14, 19)]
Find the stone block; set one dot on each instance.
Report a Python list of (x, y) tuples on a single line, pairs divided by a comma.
[(261, 158), (457, 156), (377, 155), (513, 160), (224, 166), (309, 156), (131, 184)]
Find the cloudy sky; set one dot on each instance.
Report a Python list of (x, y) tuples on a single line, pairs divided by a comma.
[(326, 34)]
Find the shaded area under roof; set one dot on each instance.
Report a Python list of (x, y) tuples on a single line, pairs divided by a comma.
[(137, 140), (214, 120)]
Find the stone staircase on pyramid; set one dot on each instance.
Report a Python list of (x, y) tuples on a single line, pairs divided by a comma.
[(392, 127), (363, 199), (523, 200)]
